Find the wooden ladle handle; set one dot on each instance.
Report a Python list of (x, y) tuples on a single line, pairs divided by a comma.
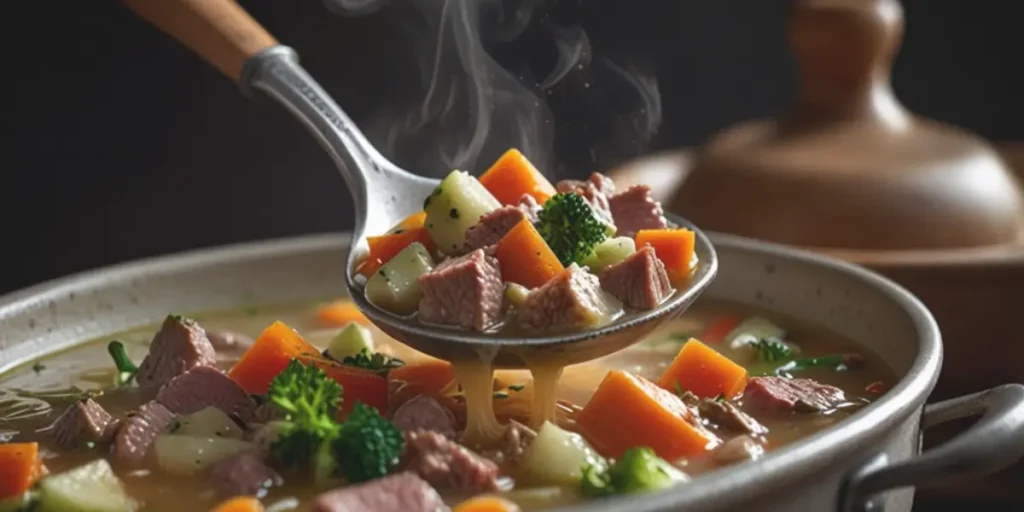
[(220, 31)]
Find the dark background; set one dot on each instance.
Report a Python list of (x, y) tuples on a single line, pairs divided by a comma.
[(120, 144)]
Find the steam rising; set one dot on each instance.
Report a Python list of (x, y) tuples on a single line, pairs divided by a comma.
[(464, 108)]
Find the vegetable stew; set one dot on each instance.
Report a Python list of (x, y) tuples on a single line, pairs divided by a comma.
[(307, 407)]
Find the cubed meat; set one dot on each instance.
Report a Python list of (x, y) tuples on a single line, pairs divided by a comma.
[(573, 298), (737, 449), (138, 431), (203, 387), (425, 413), (180, 345), (466, 292), (243, 474), (634, 209), (780, 394), (729, 417), (529, 206), (446, 464), (85, 421), (491, 227), (402, 492), (595, 190), (639, 281)]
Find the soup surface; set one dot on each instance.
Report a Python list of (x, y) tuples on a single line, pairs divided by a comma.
[(168, 436)]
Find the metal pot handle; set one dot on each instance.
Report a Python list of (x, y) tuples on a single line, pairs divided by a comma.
[(994, 442)]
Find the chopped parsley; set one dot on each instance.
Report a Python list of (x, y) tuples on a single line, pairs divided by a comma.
[(38, 367), (517, 387), (453, 213), (372, 361), (772, 350)]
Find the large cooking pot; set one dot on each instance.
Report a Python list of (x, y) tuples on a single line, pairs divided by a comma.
[(843, 468)]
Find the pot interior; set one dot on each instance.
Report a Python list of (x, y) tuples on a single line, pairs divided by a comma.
[(860, 305)]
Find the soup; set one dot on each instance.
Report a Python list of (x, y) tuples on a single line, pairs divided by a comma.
[(722, 385), (512, 253)]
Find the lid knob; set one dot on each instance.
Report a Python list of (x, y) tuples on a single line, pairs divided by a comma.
[(845, 51)]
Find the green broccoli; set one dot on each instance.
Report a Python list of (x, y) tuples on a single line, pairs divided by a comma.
[(571, 228), (308, 400), (638, 470), (369, 445), (363, 447)]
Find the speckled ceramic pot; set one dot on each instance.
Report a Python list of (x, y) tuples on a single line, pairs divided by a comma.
[(849, 467)]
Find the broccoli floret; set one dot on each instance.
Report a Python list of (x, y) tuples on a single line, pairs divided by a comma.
[(363, 447), (638, 470), (373, 361), (308, 400), (570, 227), (369, 445)]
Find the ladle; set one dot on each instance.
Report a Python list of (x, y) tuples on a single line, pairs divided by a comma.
[(223, 34)]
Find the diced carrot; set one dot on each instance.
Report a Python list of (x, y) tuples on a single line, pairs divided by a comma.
[(416, 220), (358, 384), (525, 258), (240, 504), (512, 176), (721, 326), (385, 247), (428, 376), (20, 467), (340, 313), (487, 503), (268, 356), (704, 372), (674, 248), (628, 411)]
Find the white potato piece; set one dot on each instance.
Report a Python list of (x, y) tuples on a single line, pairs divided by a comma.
[(208, 422), (556, 458), (188, 455)]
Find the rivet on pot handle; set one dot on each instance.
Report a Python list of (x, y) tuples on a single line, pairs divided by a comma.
[(994, 442)]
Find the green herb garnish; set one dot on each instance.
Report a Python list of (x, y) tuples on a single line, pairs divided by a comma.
[(126, 369)]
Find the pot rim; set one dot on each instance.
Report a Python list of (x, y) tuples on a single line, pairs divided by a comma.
[(778, 468)]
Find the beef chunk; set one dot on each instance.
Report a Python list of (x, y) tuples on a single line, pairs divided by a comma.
[(529, 206), (491, 227), (639, 281), (737, 449), (446, 464), (466, 291), (180, 345), (634, 209), (228, 340), (595, 190), (84, 421), (243, 474), (139, 430), (202, 387), (425, 413), (402, 492), (572, 298), (800, 395), (728, 416)]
